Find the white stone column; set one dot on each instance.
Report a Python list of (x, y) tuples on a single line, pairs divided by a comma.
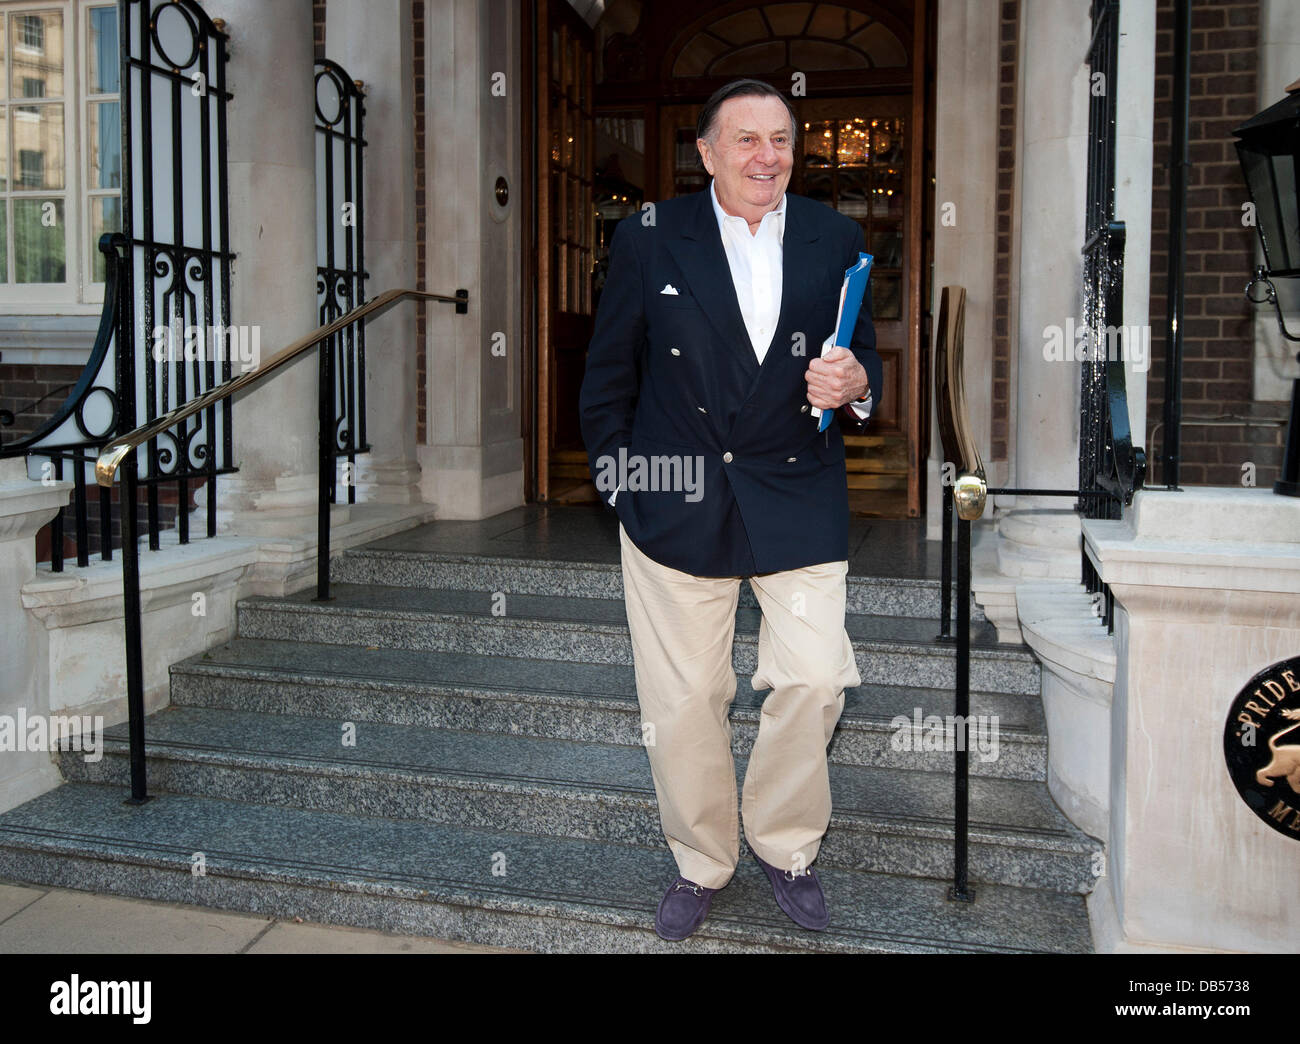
[(965, 221), (1039, 537), (372, 40), (1207, 594), (472, 459), (271, 164), (25, 506)]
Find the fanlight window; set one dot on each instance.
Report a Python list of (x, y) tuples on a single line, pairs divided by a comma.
[(778, 37)]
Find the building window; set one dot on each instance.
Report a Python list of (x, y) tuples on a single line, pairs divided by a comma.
[(103, 122), (61, 141), (31, 33), (31, 168)]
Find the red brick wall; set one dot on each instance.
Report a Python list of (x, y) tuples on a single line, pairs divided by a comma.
[(1218, 335), (1008, 60), (421, 314), (33, 394)]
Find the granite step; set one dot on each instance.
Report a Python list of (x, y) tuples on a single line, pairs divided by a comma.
[(566, 700), (485, 885), (886, 820), (388, 567), (890, 650)]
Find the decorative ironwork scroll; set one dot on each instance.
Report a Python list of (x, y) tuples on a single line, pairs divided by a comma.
[(165, 333), (340, 255)]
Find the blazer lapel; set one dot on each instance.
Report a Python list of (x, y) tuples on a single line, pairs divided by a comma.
[(699, 254), (799, 286), (703, 261)]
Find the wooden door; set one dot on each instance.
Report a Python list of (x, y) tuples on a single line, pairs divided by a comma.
[(565, 225)]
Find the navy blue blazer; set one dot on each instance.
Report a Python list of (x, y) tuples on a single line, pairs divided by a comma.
[(675, 376)]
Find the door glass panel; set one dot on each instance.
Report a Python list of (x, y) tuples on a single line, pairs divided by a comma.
[(36, 47), (39, 241), (855, 163), (886, 296), (854, 185), (819, 144), (619, 186), (852, 145), (820, 186), (38, 145)]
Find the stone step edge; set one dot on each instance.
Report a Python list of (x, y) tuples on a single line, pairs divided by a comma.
[(568, 565), (358, 565), (930, 828), (262, 603), (302, 876), (557, 697)]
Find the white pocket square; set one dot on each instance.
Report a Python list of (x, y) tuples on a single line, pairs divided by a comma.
[(669, 289)]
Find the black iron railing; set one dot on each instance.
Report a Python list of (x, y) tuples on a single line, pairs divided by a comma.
[(176, 223), (154, 400), (100, 404), (340, 254), (121, 455), (164, 334), (1111, 467)]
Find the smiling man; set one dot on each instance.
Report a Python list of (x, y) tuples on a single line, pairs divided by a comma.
[(706, 343)]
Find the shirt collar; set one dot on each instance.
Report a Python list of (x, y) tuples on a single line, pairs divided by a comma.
[(724, 217)]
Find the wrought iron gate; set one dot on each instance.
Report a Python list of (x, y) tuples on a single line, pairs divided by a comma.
[(1108, 459), (164, 335), (340, 258)]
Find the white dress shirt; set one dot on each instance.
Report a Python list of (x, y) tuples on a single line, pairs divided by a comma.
[(756, 269), (756, 261)]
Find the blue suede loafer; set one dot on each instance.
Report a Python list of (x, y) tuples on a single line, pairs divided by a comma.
[(799, 895), (682, 909)]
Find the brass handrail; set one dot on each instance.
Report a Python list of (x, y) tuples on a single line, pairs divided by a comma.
[(111, 458), (969, 487)]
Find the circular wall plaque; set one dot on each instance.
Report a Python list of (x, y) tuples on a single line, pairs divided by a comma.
[(1261, 744)]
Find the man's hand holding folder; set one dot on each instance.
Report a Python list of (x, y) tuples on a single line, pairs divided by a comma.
[(837, 378)]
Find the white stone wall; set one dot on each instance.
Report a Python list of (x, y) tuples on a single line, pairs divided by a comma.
[(473, 459)]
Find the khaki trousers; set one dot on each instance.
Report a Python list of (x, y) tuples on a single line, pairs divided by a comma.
[(682, 630)]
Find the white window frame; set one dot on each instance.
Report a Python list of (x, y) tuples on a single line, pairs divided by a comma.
[(90, 291), (77, 294)]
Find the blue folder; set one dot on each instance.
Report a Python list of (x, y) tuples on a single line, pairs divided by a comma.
[(851, 294)]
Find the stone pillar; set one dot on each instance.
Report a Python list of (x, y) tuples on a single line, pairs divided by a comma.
[(1207, 594), (966, 177), (472, 460), (372, 40), (271, 164), (25, 506), (1039, 537)]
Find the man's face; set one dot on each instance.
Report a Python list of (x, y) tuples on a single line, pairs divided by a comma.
[(751, 155)]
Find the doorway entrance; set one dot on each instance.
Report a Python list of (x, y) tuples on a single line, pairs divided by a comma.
[(861, 150)]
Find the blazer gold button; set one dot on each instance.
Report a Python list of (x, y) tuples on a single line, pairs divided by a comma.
[(803, 408), (791, 460), (701, 409), (674, 351), (727, 457)]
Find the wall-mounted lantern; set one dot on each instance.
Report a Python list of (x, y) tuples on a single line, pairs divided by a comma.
[(1268, 146)]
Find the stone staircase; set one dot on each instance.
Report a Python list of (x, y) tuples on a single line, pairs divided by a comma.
[(450, 747)]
